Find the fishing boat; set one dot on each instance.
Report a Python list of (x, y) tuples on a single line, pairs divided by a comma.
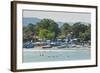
[(62, 46)]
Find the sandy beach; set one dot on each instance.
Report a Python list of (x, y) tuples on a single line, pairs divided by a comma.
[(55, 49)]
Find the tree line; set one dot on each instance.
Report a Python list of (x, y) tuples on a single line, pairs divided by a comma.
[(48, 29)]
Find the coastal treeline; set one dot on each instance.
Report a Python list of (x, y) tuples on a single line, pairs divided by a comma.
[(48, 29)]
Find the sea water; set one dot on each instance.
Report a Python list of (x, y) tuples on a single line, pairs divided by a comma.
[(56, 55)]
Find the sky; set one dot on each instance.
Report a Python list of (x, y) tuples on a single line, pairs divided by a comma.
[(58, 16)]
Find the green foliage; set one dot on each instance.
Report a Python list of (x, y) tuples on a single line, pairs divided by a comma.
[(48, 29), (78, 28), (65, 29), (46, 34), (49, 25), (43, 33), (86, 35), (50, 35), (27, 32)]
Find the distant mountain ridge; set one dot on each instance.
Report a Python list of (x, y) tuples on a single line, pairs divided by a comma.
[(28, 20), (34, 20)]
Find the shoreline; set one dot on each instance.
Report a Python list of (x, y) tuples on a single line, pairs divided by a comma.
[(64, 49)]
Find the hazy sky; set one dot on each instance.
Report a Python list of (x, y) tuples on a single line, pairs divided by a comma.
[(59, 16)]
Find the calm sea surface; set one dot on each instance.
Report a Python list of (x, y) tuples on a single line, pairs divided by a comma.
[(56, 55)]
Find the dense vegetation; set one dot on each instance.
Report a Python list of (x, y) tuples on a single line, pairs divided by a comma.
[(48, 29)]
